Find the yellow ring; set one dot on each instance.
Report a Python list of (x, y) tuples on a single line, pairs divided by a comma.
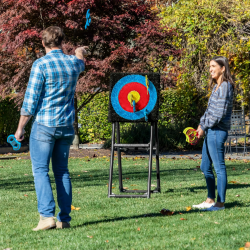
[(134, 96)]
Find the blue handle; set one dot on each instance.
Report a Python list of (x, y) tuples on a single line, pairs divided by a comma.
[(16, 145), (134, 109), (88, 19)]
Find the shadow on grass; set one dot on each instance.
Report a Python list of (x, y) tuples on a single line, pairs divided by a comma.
[(197, 188), (229, 186), (176, 213), (100, 177), (235, 204), (228, 205), (119, 219)]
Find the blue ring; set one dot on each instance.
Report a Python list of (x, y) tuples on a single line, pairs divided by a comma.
[(16, 145), (138, 114)]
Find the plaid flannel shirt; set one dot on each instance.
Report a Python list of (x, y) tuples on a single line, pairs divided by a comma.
[(50, 93)]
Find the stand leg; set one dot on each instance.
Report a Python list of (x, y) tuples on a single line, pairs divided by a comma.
[(226, 147), (244, 147), (111, 161), (236, 145), (150, 159), (157, 158), (230, 148), (119, 158)]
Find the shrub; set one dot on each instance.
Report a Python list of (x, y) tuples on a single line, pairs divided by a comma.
[(9, 118), (179, 108), (93, 120), (205, 29)]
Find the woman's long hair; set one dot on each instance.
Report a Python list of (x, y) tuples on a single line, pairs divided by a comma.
[(226, 75)]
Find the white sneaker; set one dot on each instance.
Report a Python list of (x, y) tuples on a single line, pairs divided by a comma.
[(203, 205), (214, 208)]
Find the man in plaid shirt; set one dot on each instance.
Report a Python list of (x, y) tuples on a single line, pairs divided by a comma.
[(49, 98)]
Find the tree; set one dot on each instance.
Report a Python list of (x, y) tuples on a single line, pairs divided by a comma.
[(205, 28), (123, 36)]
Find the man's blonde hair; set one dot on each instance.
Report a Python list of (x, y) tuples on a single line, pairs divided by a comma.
[(52, 36)]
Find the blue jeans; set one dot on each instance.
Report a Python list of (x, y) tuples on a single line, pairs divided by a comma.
[(46, 143), (213, 152)]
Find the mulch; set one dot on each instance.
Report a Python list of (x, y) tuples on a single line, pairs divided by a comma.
[(80, 153), (73, 153)]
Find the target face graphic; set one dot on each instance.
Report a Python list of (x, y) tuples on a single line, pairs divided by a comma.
[(133, 97)]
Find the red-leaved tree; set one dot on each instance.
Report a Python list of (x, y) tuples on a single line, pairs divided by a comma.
[(124, 36)]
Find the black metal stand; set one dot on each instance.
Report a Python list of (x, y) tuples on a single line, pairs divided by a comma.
[(118, 145)]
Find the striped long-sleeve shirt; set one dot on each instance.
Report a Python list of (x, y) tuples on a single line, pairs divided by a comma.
[(219, 108), (50, 93)]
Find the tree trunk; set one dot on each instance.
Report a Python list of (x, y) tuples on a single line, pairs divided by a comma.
[(76, 139)]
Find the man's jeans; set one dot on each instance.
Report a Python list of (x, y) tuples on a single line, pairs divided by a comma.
[(213, 152), (46, 143)]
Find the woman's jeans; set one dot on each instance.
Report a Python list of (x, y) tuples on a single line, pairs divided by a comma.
[(213, 152), (46, 143)]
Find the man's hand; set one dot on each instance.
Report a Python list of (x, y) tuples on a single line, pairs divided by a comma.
[(81, 52), (201, 132), (19, 135)]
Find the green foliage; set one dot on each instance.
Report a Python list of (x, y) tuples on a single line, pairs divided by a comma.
[(93, 119), (171, 136), (179, 108), (206, 28), (180, 105)]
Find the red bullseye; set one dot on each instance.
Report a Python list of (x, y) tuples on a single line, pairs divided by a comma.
[(133, 86)]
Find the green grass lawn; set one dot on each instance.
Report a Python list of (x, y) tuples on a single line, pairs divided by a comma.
[(103, 223)]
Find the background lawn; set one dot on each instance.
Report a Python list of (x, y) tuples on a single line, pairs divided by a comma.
[(103, 223)]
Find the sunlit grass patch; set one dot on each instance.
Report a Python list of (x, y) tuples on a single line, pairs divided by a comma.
[(103, 223)]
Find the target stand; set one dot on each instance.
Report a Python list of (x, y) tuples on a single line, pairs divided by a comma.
[(134, 98)]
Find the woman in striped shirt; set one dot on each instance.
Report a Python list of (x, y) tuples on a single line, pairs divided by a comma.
[(215, 123)]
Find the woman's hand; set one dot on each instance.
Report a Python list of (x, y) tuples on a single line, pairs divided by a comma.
[(201, 132)]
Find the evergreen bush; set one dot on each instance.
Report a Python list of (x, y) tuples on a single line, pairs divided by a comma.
[(9, 118), (179, 108)]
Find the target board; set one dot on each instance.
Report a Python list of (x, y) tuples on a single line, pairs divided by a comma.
[(134, 97)]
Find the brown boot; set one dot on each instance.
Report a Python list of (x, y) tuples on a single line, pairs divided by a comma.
[(62, 225), (45, 223)]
